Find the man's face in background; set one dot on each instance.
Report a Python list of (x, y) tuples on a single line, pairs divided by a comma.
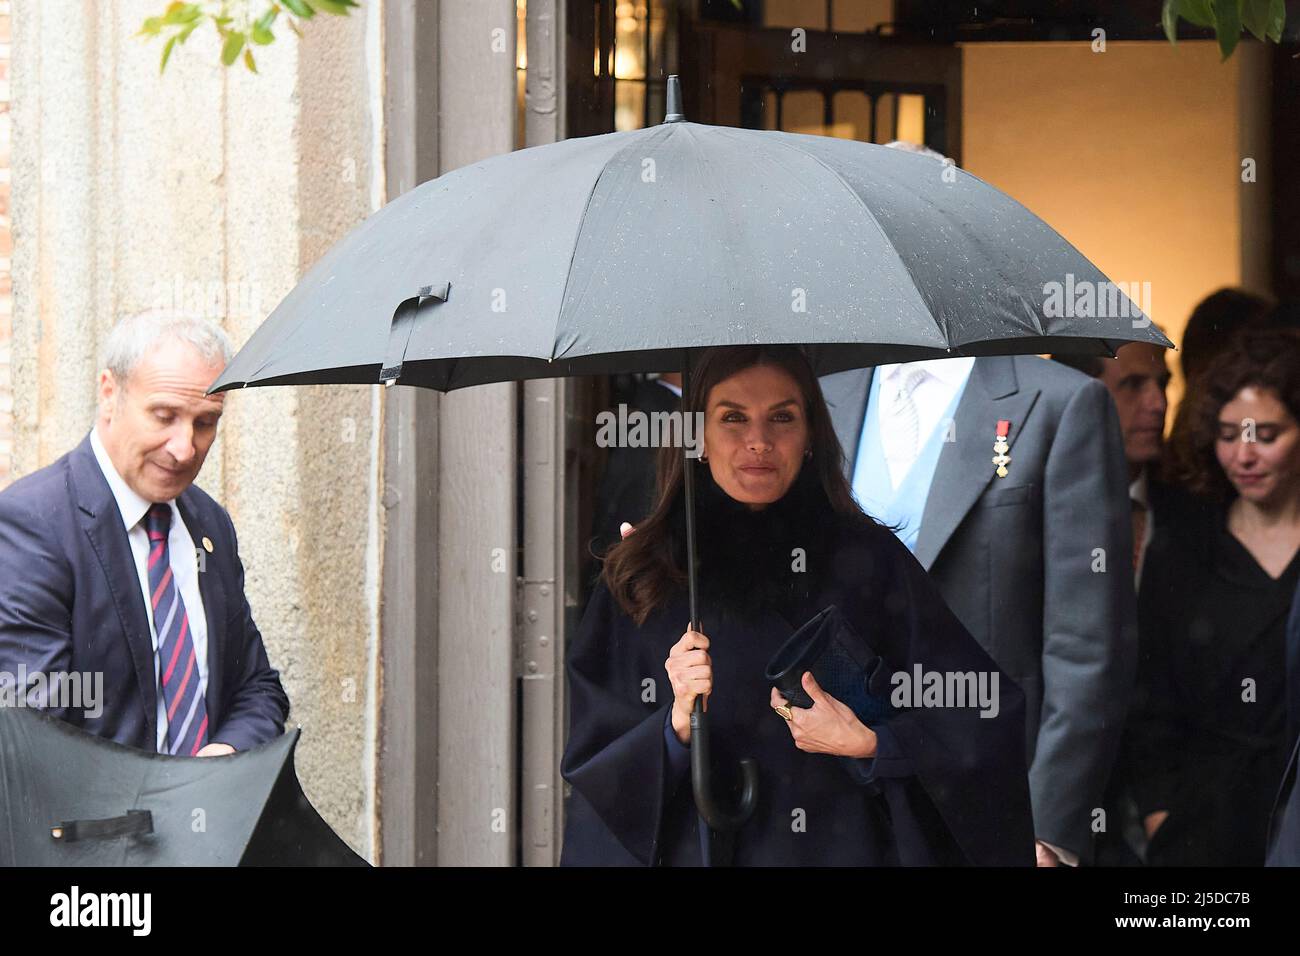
[(158, 424), (1137, 378)]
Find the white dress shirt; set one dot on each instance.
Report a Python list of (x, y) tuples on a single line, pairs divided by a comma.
[(185, 572), (675, 389), (944, 377)]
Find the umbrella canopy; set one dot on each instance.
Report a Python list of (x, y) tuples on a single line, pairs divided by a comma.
[(69, 798), (614, 252), (631, 251)]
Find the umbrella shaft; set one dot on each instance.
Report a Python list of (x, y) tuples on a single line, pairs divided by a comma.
[(688, 491)]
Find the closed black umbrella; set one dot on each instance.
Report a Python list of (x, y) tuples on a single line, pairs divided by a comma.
[(69, 798), (630, 251)]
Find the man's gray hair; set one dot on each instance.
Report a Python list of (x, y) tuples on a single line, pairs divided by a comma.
[(910, 147), (134, 336)]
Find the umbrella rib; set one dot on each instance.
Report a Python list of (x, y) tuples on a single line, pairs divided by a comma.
[(577, 237), (939, 324)]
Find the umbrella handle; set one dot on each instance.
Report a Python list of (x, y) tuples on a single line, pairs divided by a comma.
[(131, 823), (714, 814)]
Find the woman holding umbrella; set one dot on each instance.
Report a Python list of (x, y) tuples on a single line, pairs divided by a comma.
[(405, 300), (925, 780)]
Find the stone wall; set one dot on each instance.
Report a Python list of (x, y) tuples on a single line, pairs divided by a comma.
[(215, 189), (6, 251)]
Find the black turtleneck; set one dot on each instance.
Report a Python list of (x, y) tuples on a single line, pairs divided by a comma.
[(745, 557)]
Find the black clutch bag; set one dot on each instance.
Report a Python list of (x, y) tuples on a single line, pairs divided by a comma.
[(840, 660)]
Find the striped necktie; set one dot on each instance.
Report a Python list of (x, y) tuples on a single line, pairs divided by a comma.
[(902, 434), (178, 669)]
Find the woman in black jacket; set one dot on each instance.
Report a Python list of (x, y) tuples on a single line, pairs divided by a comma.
[(780, 538), (1206, 741)]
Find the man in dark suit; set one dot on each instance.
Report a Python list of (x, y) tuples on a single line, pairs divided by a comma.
[(113, 564), (1007, 478), (1137, 379), (627, 488)]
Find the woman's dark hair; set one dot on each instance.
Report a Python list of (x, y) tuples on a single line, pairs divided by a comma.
[(641, 571), (1213, 324), (1260, 358)]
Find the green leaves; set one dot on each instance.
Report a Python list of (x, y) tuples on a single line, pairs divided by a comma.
[(167, 52), (240, 24), (1199, 12), (1227, 24), (1276, 20), (337, 7), (1265, 19), (231, 48), (1169, 19), (262, 34), (177, 14), (179, 18)]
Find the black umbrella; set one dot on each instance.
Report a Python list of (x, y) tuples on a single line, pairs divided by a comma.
[(69, 798), (630, 251)]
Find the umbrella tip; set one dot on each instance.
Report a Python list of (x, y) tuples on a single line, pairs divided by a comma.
[(674, 105)]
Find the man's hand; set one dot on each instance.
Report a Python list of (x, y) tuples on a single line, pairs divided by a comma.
[(828, 726), (1045, 855), (216, 750), (1152, 821)]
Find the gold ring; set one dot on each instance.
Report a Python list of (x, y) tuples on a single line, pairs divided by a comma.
[(784, 711)]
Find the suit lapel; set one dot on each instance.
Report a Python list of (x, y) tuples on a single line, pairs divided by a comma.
[(214, 604), (102, 522), (965, 465), (846, 396)]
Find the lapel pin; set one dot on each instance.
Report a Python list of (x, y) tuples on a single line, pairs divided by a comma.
[(207, 544), (1000, 447)]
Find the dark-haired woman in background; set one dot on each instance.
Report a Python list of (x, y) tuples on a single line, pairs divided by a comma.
[(1207, 738), (780, 538)]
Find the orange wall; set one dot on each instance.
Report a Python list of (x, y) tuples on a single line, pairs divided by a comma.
[(1134, 155)]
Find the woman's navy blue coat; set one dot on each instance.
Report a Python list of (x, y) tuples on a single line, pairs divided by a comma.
[(953, 790)]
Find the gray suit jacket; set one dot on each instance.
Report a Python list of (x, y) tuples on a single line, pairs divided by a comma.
[(1014, 557), (1284, 825)]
